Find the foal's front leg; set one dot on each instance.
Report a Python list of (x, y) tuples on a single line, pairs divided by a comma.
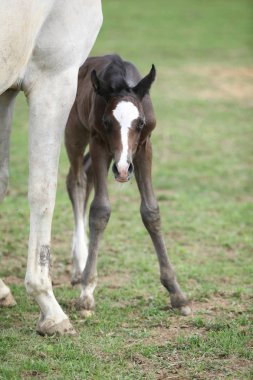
[(151, 219), (100, 211)]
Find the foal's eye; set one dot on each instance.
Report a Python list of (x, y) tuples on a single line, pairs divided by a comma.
[(107, 124), (140, 124)]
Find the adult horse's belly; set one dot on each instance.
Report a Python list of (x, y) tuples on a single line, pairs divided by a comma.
[(20, 22), (44, 35)]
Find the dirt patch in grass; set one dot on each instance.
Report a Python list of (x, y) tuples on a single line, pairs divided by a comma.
[(164, 335), (231, 367), (226, 83), (217, 303), (177, 326), (14, 280), (115, 280), (33, 374), (14, 263), (173, 370), (175, 363), (181, 368), (221, 302), (210, 83), (204, 313), (61, 275)]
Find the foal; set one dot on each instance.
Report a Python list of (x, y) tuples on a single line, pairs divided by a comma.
[(113, 114)]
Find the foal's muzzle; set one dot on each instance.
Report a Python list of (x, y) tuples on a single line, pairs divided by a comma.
[(122, 175)]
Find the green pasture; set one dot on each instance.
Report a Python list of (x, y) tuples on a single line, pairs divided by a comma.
[(203, 177)]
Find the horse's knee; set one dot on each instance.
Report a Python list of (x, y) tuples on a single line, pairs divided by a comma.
[(37, 284), (4, 181), (99, 215), (151, 217)]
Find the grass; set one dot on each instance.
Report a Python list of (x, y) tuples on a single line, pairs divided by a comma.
[(203, 179)]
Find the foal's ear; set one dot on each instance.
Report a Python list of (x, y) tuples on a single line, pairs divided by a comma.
[(143, 87), (99, 85)]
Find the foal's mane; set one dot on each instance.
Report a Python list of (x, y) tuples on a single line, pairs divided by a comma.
[(114, 74), (113, 80)]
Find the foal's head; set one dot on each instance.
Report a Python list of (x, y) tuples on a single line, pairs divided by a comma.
[(123, 118)]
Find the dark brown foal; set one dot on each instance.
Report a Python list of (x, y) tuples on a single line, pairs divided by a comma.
[(113, 114)]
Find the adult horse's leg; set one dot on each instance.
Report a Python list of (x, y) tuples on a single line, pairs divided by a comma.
[(7, 102), (100, 211), (151, 219), (50, 99), (6, 298)]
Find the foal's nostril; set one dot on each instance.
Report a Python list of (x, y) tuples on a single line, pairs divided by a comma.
[(115, 170), (130, 169)]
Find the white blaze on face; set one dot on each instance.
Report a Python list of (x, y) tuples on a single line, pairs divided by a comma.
[(125, 113)]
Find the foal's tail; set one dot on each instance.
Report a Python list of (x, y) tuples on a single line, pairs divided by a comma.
[(87, 166)]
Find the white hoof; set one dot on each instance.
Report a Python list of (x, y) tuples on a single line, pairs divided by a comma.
[(185, 310), (8, 301), (49, 327), (87, 313)]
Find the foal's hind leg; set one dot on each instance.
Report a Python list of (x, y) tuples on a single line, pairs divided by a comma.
[(151, 219), (79, 185), (7, 102)]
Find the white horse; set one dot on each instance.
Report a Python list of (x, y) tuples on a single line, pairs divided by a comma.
[(42, 46)]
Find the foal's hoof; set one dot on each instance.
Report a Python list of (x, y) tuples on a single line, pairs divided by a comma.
[(86, 306), (76, 279), (8, 301), (185, 310), (49, 327), (180, 302), (87, 313)]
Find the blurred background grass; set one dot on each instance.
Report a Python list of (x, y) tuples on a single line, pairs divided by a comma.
[(173, 33)]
